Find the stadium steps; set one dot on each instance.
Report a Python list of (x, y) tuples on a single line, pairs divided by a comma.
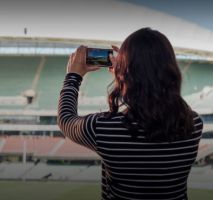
[(38, 73), (69, 173), (72, 150), (40, 146), (205, 149), (13, 145), (201, 177), (17, 73), (32, 171), (14, 170), (56, 147), (2, 143)]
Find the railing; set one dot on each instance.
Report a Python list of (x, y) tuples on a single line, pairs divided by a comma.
[(59, 46)]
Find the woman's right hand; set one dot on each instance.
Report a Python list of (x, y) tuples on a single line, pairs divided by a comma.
[(77, 62), (113, 59)]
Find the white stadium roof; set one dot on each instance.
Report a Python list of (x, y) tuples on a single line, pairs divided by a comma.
[(97, 19)]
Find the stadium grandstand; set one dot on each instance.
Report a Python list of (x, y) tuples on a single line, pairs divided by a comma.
[(32, 70), (30, 140)]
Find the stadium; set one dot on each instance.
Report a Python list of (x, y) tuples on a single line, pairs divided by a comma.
[(36, 161)]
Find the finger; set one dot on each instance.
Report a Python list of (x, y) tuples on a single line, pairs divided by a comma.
[(81, 53), (72, 57), (115, 48), (81, 49), (68, 64), (112, 58), (111, 69), (84, 51)]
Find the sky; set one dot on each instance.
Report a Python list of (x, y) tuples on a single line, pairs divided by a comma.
[(196, 11)]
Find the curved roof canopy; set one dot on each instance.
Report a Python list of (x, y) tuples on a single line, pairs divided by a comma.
[(96, 19)]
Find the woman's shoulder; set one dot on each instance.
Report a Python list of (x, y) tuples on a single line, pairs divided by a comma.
[(196, 116), (108, 116), (198, 122)]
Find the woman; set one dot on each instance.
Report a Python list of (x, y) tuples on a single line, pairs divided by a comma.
[(148, 148)]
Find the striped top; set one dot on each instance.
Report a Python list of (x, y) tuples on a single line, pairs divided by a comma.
[(131, 169)]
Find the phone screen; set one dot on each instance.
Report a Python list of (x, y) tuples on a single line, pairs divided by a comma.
[(98, 57)]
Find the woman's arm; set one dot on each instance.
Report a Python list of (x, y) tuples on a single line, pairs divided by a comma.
[(79, 129)]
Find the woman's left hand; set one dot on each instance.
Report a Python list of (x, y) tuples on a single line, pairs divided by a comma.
[(77, 62), (113, 59)]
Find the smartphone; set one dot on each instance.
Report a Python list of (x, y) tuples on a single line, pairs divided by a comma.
[(100, 57)]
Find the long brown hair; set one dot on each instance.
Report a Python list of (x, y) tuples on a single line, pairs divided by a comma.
[(148, 81)]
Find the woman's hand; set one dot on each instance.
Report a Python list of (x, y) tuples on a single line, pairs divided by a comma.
[(77, 62), (113, 59)]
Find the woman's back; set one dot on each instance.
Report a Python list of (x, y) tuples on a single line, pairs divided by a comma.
[(138, 169)]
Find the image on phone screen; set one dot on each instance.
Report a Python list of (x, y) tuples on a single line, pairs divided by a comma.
[(98, 57)]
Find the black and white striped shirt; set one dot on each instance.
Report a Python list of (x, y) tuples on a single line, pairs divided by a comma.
[(131, 169)]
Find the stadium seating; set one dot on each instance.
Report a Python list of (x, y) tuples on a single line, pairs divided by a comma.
[(17, 74), (43, 171), (195, 76), (50, 82), (13, 145), (40, 146), (72, 150), (51, 76), (205, 149)]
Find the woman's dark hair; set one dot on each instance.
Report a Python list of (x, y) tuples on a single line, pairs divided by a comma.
[(148, 81)]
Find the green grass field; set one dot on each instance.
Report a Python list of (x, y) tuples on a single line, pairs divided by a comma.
[(16, 190)]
